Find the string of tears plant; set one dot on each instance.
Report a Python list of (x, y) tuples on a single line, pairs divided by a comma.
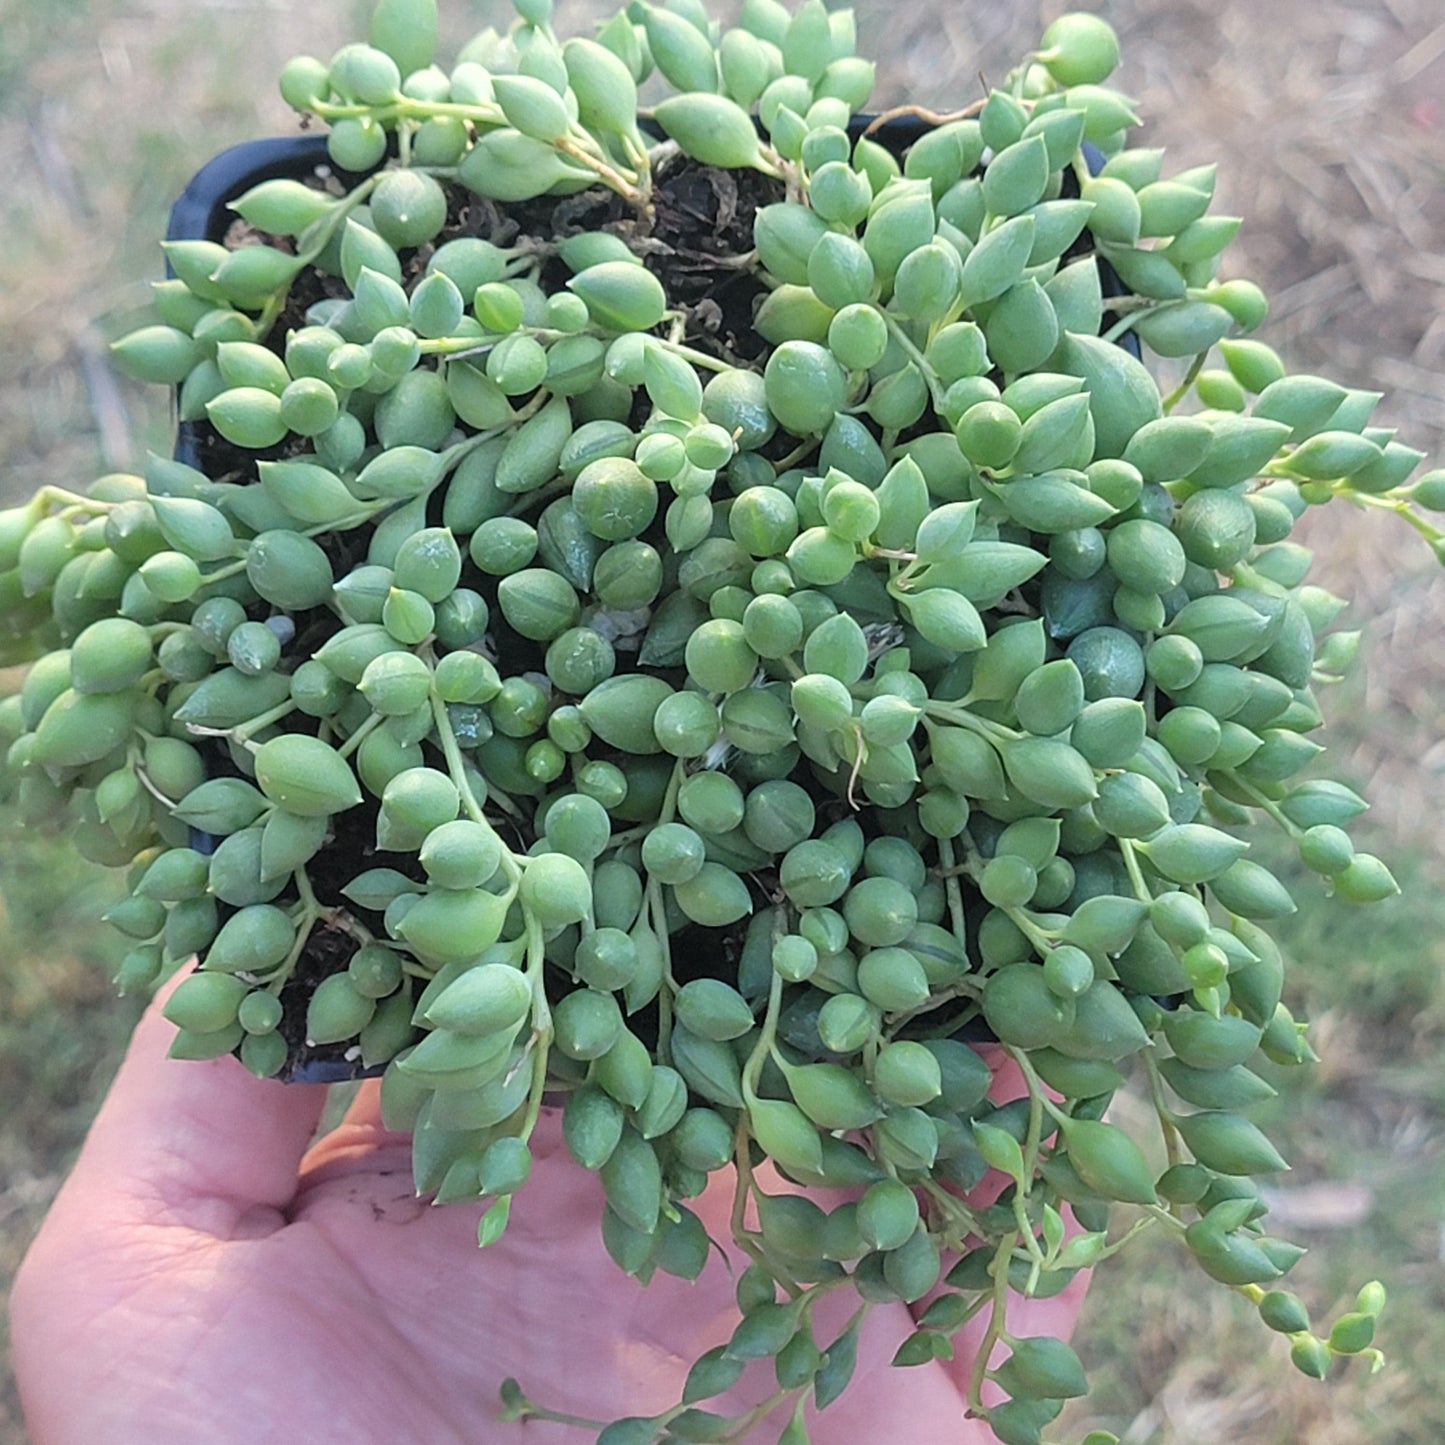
[(696, 612)]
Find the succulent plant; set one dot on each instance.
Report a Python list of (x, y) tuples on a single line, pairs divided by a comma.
[(711, 690)]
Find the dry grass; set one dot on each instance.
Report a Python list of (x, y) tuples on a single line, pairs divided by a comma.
[(1327, 122), (1328, 125), (61, 1031)]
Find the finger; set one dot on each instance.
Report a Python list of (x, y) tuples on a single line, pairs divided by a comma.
[(364, 1110), (203, 1144), (356, 1140)]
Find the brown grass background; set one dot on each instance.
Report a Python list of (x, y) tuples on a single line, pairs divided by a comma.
[(1328, 122)]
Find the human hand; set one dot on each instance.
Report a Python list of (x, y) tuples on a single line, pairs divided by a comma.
[(209, 1274)]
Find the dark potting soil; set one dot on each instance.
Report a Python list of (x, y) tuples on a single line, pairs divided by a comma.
[(700, 227), (328, 950)]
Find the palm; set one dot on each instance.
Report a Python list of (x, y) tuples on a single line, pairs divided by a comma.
[(195, 1282)]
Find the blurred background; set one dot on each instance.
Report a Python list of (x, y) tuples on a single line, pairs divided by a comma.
[(1327, 120)]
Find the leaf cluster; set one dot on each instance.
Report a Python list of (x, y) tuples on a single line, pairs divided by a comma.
[(926, 679)]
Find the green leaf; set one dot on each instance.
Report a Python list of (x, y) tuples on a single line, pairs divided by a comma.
[(710, 128), (494, 1222), (1109, 1161), (1001, 1150), (839, 1361), (1042, 1368)]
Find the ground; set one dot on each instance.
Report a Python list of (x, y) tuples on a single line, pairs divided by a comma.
[(1328, 126)]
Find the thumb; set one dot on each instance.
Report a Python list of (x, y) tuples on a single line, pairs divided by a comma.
[(205, 1145)]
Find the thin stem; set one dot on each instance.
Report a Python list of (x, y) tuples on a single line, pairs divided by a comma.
[(754, 1066), (463, 449), (456, 768), (458, 348), (906, 344), (541, 1025), (356, 739), (1136, 874), (1030, 1241), (956, 712), (743, 1186), (1138, 1227), (527, 501), (1125, 323), (247, 731), (306, 892), (1039, 936), (51, 493), (530, 1410), (674, 787), (656, 912), (1058, 1115), (309, 912), (959, 1220), (1161, 1108), (1182, 390), (1399, 506), (803, 449), (315, 244), (918, 112), (997, 1319), (1036, 1108), (949, 859), (243, 733), (1268, 805), (698, 358), (965, 988), (1161, 1215), (614, 179), (342, 524)]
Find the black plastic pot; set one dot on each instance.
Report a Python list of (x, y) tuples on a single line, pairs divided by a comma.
[(201, 214)]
